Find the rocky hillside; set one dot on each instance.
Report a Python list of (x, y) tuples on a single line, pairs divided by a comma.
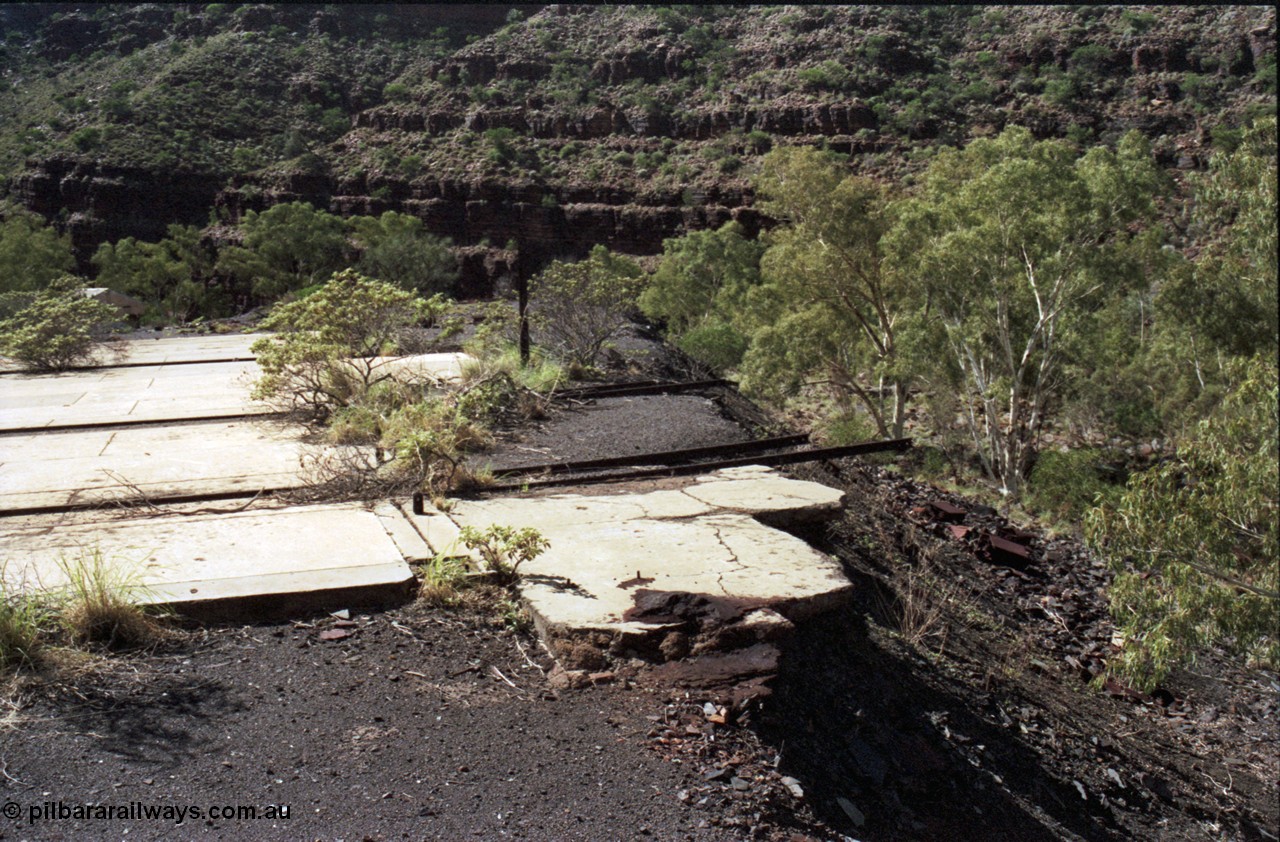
[(527, 132)]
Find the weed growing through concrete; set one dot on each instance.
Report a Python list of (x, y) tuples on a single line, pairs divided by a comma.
[(504, 548), (444, 578)]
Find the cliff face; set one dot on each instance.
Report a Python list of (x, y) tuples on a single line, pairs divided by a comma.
[(558, 128), (97, 202)]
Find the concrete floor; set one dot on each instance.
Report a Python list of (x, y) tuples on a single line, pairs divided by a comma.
[(703, 536), (201, 556)]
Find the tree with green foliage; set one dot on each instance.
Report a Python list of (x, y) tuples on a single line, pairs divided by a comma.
[(174, 275), (396, 248), (836, 305), (1195, 541), (287, 247), (31, 253), (330, 347), (1015, 242), (58, 330), (700, 291), (1225, 302), (575, 308)]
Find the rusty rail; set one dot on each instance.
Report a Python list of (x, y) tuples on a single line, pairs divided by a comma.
[(769, 459), (646, 387), (663, 457)]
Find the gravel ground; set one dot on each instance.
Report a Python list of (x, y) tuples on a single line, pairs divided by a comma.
[(418, 724), (615, 427)]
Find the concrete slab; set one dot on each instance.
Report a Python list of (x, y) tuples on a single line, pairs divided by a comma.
[(181, 349), (605, 549), (325, 555), (130, 395), (115, 465), (760, 491), (163, 392), (168, 349)]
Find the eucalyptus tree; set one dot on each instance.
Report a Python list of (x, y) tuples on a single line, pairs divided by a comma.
[(1015, 243), (831, 306)]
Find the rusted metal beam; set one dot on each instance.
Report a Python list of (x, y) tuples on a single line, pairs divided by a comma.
[(145, 422), (664, 457), (647, 387), (771, 459)]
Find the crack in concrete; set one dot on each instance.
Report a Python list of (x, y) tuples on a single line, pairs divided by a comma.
[(733, 558)]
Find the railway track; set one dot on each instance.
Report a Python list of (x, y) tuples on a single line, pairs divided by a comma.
[(682, 462)]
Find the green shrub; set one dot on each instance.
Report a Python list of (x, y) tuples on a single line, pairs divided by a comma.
[(1063, 486), (59, 329), (504, 548), (849, 427), (395, 92), (328, 349), (716, 344), (575, 308)]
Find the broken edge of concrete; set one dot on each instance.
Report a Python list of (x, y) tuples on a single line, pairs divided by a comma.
[(693, 585)]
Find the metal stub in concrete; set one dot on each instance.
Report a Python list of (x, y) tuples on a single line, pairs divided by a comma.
[(667, 574), (228, 564)]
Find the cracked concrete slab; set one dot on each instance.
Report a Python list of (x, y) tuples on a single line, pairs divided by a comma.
[(703, 538), (167, 349), (270, 560)]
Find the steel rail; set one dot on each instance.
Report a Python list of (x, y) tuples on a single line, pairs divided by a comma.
[(768, 459)]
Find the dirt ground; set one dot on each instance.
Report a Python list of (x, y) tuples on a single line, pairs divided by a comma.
[(949, 701)]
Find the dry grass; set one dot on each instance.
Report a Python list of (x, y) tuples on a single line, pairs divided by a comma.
[(22, 625), (99, 605)]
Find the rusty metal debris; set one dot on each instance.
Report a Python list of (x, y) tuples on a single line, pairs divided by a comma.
[(1003, 545), (665, 457), (645, 387)]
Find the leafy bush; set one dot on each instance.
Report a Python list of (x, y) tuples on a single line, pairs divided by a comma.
[(716, 344), (1194, 541), (1063, 486), (31, 253), (397, 248), (286, 247), (59, 329), (328, 352), (504, 548), (575, 308)]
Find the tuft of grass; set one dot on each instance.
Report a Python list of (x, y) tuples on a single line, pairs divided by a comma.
[(444, 578), (23, 620), (542, 375), (99, 604)]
